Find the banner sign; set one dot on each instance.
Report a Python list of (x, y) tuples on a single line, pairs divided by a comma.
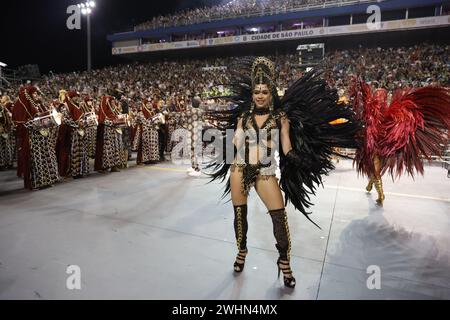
[(395, 25)]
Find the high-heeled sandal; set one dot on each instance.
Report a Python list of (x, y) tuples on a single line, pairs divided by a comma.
[(284, 266), (239, 267)]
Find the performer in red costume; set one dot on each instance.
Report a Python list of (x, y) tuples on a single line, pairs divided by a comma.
[(36, 156), (146, 138), (109, 136), (72, 145), (398, 135), (88, 106)]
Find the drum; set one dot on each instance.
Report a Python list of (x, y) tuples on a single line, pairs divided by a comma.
[(122, 121), (158, 119), (90, 120), (48, 119)]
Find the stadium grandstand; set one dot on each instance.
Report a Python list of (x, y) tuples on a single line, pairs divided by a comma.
[(244, 26)]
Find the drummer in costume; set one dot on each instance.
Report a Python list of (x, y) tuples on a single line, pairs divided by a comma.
[(72, 146), (37, 163), (146, 139), (87, 105), (109, 136)]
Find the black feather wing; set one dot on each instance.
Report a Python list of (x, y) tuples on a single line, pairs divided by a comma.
[(310, 106)]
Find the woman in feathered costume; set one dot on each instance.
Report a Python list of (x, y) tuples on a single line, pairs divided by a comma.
[(398, 136), (301, 120)]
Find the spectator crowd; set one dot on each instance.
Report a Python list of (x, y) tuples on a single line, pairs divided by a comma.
[(231, 9), (175, 82)]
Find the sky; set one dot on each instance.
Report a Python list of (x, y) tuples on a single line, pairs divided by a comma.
[(35, 32)]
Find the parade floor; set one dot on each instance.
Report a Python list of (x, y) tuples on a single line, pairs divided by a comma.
[(155, 233)]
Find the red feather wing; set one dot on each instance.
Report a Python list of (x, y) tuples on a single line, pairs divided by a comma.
[(414, 127), (369, 109)]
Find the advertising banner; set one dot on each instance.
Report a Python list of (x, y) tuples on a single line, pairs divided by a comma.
[(289, 35)]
